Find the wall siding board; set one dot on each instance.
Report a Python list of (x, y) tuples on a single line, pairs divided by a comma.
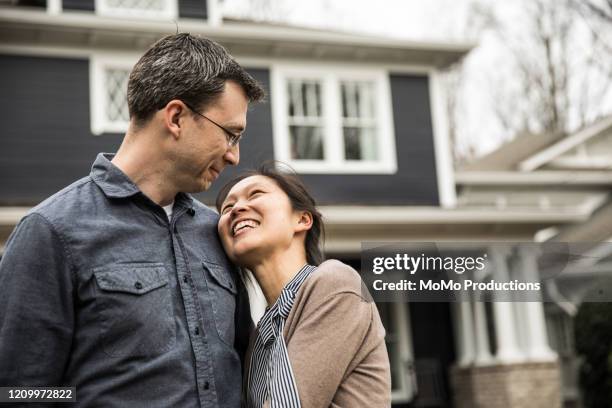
[(81, 5), (193, 9), (46, 142)]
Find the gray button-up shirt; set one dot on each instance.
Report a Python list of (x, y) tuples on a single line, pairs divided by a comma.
[(99, 290)]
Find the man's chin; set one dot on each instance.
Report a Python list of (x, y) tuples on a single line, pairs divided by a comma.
[(203, 185)]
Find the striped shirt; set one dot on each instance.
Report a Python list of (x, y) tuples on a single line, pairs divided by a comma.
[(270, 374)]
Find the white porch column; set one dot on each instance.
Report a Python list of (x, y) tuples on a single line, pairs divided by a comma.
[(54, 6), (463, 324), (508, 350), (537, 346), (483, 349)]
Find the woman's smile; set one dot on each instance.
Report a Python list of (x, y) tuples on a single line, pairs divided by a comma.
[(242, 226)]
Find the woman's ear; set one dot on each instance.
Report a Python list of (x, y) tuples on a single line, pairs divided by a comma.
[(304, 221)]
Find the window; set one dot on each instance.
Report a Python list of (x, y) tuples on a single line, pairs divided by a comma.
[(157, 9), (108, 93), (335, 120)]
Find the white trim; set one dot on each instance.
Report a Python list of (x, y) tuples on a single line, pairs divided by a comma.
[(330, 76), (391, 215), (245, 33), (262, 62), (98, 63), (10, 216), (579, 163), (593, 202), (566, 144), (45, 51), (541, 177), (214, 11), (443, 156), (54, 7), (245, 61), (169, 11)]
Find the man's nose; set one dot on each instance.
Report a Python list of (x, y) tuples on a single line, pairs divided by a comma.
[(232, 155)]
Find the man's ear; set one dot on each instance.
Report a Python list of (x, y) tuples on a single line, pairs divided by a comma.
[(304, 221), (173, 113)]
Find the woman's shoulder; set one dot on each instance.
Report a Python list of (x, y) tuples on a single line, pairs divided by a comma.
[(333, 276)]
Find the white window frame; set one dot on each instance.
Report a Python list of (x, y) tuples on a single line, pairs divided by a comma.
[(169, 12), (331, 77), (98, 102)]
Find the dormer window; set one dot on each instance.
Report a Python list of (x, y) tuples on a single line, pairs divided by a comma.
[(333, 120)]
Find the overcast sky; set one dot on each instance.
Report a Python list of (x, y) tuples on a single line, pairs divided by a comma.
[(433, 20)]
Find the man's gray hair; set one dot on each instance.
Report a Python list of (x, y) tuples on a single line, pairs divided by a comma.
[(182, 66)]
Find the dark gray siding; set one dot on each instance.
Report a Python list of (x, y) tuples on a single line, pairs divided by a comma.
[(32, 3), (46, 142), (81, 5), (193, 9), (415, 182)]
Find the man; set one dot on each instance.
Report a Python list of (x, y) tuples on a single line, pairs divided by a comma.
[(118, 284)]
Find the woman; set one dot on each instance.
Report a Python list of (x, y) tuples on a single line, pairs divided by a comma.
[(320, 342)]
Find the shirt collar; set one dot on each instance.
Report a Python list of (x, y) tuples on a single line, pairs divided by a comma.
[(116, 184), (113, 182)]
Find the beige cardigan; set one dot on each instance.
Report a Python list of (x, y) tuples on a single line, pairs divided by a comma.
[(336, 342)]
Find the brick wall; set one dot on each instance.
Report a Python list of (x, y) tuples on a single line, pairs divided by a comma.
[(524, 385)]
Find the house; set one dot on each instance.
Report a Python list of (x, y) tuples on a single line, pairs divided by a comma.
[(361, 118), (567, 177)]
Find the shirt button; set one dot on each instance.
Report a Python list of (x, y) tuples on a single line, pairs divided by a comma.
[(185, 279), (138, 285), (197, 331), (206, 385)]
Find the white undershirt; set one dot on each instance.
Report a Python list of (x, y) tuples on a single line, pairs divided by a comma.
[(168, 209)]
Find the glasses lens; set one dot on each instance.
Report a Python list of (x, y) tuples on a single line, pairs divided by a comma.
[(234, 139)]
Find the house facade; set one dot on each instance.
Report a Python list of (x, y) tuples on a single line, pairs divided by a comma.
[(362, 119), (567, 177)]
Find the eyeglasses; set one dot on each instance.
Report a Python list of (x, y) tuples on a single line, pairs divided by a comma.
[(232, 138)]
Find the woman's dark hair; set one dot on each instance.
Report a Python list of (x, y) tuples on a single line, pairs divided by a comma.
[(300, 199)]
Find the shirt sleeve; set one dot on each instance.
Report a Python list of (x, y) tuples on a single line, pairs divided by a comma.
[(324, 343), (36, 306)]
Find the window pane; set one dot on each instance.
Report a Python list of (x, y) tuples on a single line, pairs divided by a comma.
[(306, 142), (360, 143), (304, 98), (116, 95), (137, 4), (357, 99)]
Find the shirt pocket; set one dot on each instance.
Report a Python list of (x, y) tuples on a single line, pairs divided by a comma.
[(134, 310), (222, 291)]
